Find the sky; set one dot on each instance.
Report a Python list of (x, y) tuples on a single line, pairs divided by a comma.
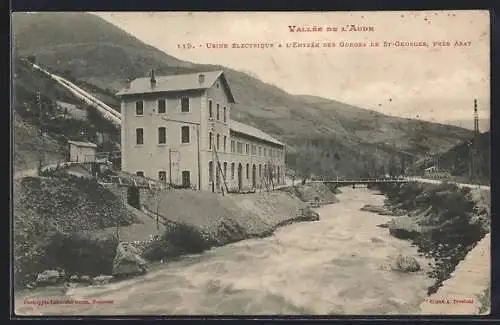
[(434, 83)]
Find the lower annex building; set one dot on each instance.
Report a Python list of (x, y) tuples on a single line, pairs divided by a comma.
[(178, 129)]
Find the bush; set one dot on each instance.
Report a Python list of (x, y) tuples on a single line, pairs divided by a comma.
[(178, 239), (79, 255), (134, 197)]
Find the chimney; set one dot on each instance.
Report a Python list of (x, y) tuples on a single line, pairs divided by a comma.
[(153, 78), (201, 78)]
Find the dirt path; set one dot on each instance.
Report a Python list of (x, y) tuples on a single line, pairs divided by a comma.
[(138, 231)]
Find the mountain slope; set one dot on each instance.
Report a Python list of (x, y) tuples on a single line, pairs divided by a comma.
[(64, 117), (457, 160), (91, 50)]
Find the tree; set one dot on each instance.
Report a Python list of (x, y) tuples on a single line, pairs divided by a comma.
[(393, 168), (403, 165), (304, 163), (31, 58), (270, 174)]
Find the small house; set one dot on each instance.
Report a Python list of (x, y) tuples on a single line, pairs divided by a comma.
[(82, 151), (431, 169)]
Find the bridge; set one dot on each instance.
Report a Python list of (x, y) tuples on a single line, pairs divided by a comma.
[(365, 181)]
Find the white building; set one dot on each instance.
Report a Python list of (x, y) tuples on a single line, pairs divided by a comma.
[(178, 129), (82, 151)]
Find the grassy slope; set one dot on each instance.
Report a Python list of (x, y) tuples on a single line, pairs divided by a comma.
[(89, 49)]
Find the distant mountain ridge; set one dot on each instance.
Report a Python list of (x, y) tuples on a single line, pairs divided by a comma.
[(100, 54)]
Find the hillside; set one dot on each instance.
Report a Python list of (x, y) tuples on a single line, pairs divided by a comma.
[(52, 217), (457, 160), (95, 53), (64, 117)]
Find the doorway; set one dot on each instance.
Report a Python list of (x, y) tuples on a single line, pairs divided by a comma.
[(186, 179), (254, 176), (240, 177)]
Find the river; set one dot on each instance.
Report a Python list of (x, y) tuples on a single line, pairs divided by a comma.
[(338, 265)]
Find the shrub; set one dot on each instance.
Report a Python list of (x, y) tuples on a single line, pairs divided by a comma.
[(134, 197), (79, 255)]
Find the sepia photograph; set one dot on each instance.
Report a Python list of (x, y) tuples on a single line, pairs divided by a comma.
[(250, 163)]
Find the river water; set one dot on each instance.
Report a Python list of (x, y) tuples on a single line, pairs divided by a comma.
[(338, 265)]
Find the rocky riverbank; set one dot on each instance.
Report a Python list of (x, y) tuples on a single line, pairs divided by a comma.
[(192, 221), (442, 220)]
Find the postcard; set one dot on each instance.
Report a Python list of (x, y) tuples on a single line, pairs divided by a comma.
[(251, 163)]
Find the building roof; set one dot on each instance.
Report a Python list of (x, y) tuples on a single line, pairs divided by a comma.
[(178, 82), (83, 144), (253, 132)]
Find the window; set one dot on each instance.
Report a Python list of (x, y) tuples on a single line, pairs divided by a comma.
[(247, 148), (260, 170), (162, 106), (162, 176), (139, 173), (225, 118), (239, 147), (185, 104), (232, 171), (185, 134), (225, 170), (210, 171), (139, 136), (218, 117), (162, 135), (232, 146), (225, 138), (260, 151), (254, 149), (210, 140), (248, 171), (218, 140), (210, 113), (139, 108)]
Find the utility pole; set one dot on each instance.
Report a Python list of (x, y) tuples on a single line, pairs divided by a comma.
[(475, 144), (40, 121), (170, 166), (199, 167)]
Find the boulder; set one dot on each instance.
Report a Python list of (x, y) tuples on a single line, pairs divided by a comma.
[(85, 279), (308, 214), (81, 279), (377, 209), (406, 264), (102, 279), (49, 277), (128, 261), (404, 228)]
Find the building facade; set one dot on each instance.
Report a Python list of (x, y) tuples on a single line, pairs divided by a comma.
[(178, 129), (82, 151)]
